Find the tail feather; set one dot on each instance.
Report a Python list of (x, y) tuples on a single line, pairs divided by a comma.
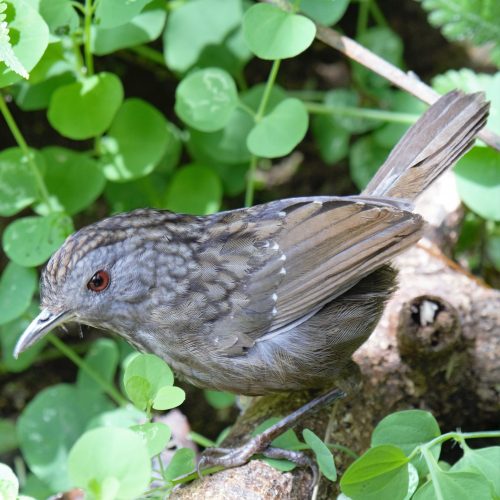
[(444, 133)]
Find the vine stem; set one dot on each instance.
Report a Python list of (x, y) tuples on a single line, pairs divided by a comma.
[(250, 188), (371, 114), (78, 361), (23, 145), (89, 61)]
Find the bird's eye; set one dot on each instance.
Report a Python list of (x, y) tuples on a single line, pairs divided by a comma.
[(99, 282)]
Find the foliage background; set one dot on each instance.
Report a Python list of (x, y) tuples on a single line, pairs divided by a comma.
[(114, 117)]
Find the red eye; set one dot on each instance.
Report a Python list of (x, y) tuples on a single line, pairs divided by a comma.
[(99, 281)]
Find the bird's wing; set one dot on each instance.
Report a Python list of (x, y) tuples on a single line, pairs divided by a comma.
[(284, 260)]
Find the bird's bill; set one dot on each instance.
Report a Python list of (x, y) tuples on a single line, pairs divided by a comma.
[(39, 327)]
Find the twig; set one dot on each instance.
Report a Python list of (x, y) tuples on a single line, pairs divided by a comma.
[(406, 81)]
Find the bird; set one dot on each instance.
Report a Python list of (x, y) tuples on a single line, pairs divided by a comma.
[(270, 298)]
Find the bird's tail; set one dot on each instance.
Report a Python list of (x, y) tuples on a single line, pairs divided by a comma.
[(444, 133)]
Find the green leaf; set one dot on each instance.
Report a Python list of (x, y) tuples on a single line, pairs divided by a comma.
[(194, 189), (382, 472), (168, 397), (454, 485), (279, 132), (253, 96), (33, 38), (17, 286), (386, 44), (9, 335), (136, 142), (390, 133), (8, 438), (125, 416), (139, 391), (60, 16), (9, 484), (112, 13), (102, 358), (94, 100), (183, 462), (143, 28), (287, 441), (326, 12), (332, 141), (206, 99), (279, 464), (7, 55), (144, 376), (478, 181), (18, 186), (470, 81), (406, 429), (30, 241), (110, 463), (147, 191), (324, 456), (228, 145), (219, 399), (272, 33), (155, 435), (208, 23), (474, 21), (483, 461), (48, 427), (74, 181), (365, 158)]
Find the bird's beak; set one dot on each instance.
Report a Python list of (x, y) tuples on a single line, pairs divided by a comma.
[(39, 327)]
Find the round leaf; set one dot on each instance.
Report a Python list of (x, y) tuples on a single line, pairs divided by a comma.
[(155, 435), (17, 286), (47, 429), (60, 16), (30, 241), (144, 376), (183, 462), (73, 180), (206, 99), (272, 33), (125, 416), (219, 399), (279, 132), (32, 35), (194, 189), (478, 182), (323, 455), (110, 453), (168, 397), (326, 12), (365, 158), (382, 472), (18, 188), (136, 142), (143, 28), (112, 13), (9, 484), (86, 108), (208, 22)]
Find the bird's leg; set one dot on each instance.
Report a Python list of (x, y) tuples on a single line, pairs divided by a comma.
[(234, 457)]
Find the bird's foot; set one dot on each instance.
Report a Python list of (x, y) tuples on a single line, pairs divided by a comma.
[(261, 444)]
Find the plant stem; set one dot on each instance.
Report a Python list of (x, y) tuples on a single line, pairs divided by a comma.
[(433, 466), (267, 91), (106, 386), (21, 142), (149, 53), (377, 14), (364, 7), (89, 61), (250, 188), (371, 114)]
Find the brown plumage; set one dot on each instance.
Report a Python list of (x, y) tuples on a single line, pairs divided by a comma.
[(262, 299)]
